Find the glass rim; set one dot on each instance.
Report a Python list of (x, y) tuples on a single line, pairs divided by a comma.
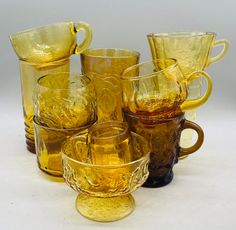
[(38, 27), (118, 124), (130, 53), (181, 34), (181, 115), (45, 64), (151, 74), (145, 156), (75, 75), (81, 128)]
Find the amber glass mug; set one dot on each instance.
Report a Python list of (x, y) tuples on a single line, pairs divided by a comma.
[(105, 164), (51, 42), (105, 66), (164, 137), (159, 88)]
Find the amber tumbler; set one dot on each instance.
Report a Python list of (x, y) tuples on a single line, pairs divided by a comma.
[(163, 136), (105, 66)]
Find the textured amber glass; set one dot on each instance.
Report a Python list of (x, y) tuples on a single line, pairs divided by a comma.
[(163, 136), (29, 74), (104, 66), (159, 88), (51, 42), (105, 187), (65, 100), (49, 142), (193, 51)]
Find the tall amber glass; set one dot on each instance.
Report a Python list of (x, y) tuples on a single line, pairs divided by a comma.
[(105, 66), (29, 74), (98, 168)]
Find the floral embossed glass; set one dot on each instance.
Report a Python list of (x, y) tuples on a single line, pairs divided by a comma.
[(104, 66), (163, 136), (95, 164), (49, 142), (51, 42), (159, 88), (65, 100)]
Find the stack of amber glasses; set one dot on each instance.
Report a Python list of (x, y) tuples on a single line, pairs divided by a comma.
[(155, 97), (118, 125)]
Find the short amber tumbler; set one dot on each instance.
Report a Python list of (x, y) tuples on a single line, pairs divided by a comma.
[(105, 188)]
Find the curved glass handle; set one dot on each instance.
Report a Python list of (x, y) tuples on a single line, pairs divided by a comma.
[(225, 45), (193, 104), (87, 38), (200, 139)]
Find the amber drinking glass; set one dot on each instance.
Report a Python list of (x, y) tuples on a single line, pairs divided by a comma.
[(65, 100), (163, 136), (51, 42), (105, 165), (104, 66), (159, 88), (49, 142), (30, 73)]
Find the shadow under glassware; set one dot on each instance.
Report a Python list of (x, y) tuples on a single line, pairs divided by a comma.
[(50, 42), (163, 136), (29, 74), (193, 51), (104, 66), (49, 142), (105, 164), (65, 100), (159, 88)]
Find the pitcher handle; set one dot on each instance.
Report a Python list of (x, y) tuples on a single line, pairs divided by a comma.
[(193, 104), (87, 38), (225, 44)]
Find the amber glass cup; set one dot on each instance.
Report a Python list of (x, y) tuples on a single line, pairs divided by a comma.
[(105, 66), (49, 142), (164, 137), (51, 42), (65, 100), (159, 88), (105, 165)]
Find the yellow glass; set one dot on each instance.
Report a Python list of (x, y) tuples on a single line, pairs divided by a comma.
[(65, 100), (104, 66), (193, 51), (49, 142), (159, 88), (105, 181), (30, 73), (51, 42)]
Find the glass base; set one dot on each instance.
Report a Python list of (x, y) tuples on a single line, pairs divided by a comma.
[(157, 182), (183, 157), (30, 145), (104, 209), (51, 173)]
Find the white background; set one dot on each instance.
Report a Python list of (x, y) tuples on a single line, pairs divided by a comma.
[(203, 192)]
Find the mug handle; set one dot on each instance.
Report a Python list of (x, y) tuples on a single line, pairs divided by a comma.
[(191, 125), (192, 104), (225, 44), (87, 38)]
